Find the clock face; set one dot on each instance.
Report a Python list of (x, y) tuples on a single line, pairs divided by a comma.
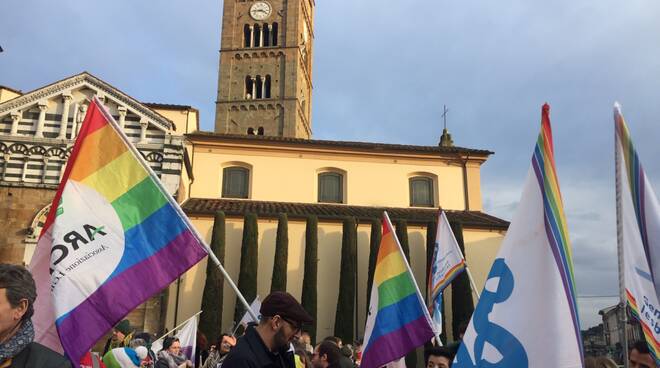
[(260, 10)]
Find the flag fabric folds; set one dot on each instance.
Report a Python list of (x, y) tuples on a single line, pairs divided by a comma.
[(640, 235), (247, 317), (187, 336), (527, 313), (398, 320), (446, 264), (113, 238)]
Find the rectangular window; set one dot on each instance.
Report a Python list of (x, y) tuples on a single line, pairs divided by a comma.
[(421, 192), (235, 182), (331, 188)]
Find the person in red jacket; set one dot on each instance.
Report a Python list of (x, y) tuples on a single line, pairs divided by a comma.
[(91, 360)]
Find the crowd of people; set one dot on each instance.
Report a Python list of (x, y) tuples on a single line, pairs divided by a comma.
[(277, 341)]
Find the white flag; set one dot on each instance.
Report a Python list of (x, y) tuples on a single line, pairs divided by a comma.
[(527, 314), (447, 263), (640, 235), (187, 336), (255, 307)]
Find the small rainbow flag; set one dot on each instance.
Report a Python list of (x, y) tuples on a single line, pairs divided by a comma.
[(639, 235), (113, 238), (398, 320)]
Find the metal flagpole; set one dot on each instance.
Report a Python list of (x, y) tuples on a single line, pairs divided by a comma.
[(181, 324), (623, 315)]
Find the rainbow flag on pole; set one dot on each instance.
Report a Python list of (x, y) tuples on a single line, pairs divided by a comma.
[(638, 214), (113, 238), (398, 320), (527, 313)]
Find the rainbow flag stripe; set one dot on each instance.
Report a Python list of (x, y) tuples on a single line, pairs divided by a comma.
[(156, 242), (398, 320), (543, 162), (654, 346), (449, 277)]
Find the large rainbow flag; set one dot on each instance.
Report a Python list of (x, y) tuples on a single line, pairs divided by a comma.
[(527, 314), (398, 320), (113, 238), (639, 233)]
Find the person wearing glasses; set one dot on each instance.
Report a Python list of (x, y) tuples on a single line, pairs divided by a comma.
[(268, 343)]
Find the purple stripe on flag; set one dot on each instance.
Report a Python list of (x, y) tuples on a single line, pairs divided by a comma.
[(188, 352), (90, 320), (397, 344)]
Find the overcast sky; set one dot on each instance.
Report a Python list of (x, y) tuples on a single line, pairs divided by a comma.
[(384, 69)]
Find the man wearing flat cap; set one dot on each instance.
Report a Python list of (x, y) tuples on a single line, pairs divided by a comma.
[(267, 344)]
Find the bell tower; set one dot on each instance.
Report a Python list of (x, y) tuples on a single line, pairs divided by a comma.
[(265, 77)]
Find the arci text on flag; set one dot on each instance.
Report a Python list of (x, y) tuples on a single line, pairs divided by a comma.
[(640, 235), (398, 320), (113, 238), (447, 263), (527, 313)]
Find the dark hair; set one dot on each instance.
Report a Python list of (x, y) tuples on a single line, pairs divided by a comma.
[(641, 347), (19, 285), (331, 350), (442, 351), (168, 341), (333, 339)]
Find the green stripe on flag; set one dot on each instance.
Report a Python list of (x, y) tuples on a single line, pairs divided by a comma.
[(138, 203), (395, 289)]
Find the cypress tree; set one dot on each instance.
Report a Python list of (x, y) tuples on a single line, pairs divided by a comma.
[(431, 232), (247, 276), (281, 255), (402, 234), (309, 288), (211, 319), (374, 245), (345, 317), (462, 305)]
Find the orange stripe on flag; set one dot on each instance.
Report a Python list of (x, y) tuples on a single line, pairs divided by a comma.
[(387, 245), (94, 158)]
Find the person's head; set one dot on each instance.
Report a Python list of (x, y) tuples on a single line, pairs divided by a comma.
[(226, 343), (438, 357), (172, 345), (121, 330), (282, 318), (640, 356), (304, 358), (305, 337), (334, 339), (325, 354), (17, 295)]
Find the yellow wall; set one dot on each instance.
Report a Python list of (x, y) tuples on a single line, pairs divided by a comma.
[(186, 120), (291, 176), (481, 247), (7, 94)]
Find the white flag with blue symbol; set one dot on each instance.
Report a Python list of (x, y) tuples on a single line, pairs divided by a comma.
[(527, 314)]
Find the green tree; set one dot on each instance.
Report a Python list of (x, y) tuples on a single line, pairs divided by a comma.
[(280, 266), (345, 317), (402, 234), (247, 276), (374, 245), (462, 304), (309, 288), (211, 319)]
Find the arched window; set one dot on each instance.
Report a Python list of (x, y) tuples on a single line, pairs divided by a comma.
[(235, 182), (331, 187), (260, 131), (266, 34), (421, 191), (249, 87), (246, 35), (274, 34), (267, 87), (250, 131), (257, 36), (259, 87)]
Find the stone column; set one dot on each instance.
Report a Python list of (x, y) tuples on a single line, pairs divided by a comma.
[(261, 36), (25, 167), (143, 130), (15, 119), (250, 44), (263, 87), (42, 120), (254, 88), (65, 116), (43, 173), (122, 116)]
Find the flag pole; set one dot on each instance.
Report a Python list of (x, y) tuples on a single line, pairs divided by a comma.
[(474, 286), (623, 315), (181, 324), (177, 208)]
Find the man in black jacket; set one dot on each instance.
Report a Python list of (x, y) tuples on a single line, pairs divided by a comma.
[(17, 295), (268, 344)]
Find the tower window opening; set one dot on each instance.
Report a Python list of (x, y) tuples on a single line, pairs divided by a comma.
[(246, 35), (267, 87), (257, 36), (259, 86), (274, 34), (266, 34), (250, 131), (260, 131), (249, 87)]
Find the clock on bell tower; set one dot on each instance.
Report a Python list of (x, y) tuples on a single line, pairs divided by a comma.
[(265, 77)]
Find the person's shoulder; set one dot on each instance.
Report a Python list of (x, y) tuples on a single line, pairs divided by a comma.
[(239, 358), (38, 355)]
